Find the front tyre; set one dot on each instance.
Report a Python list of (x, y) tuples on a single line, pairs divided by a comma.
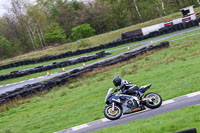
[(153, 100), (113, 115)]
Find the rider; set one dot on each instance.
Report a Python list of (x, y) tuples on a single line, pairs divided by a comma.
[(127, 87)]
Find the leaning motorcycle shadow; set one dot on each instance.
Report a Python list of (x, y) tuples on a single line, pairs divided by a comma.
[(133, 114)]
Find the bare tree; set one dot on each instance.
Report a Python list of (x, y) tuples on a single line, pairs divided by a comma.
[(137, 9), (18, 11), (163, 6), (198, 1), (157, 6)]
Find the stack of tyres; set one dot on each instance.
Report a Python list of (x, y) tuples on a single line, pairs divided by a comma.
[(42, 68), (161, 31)]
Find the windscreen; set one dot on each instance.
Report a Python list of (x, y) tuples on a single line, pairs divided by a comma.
[(109, 92)]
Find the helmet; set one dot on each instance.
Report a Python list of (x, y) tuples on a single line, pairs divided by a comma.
[(117, 81)]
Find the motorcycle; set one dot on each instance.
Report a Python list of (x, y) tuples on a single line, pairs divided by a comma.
[(120, 103)]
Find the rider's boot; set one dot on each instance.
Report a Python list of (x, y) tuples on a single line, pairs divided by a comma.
[(139, 106), (140, 94), (142, 107)]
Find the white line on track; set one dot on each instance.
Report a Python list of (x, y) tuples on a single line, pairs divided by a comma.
[(7, 85), (168, 102), (105, 120), (79, 127), (40, 77), (193, 94), (31, 79)]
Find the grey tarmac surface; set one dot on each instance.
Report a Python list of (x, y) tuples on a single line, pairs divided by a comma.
[(167, 106), (13, 86)]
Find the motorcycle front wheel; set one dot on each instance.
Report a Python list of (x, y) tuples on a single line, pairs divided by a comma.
[(153, 101), (113, 115)]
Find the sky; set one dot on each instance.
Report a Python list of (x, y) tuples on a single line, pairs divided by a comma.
[(3, 5), (6, 4)]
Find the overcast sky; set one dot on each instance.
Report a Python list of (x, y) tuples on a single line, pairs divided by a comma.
[(6, 3), (3, 5)]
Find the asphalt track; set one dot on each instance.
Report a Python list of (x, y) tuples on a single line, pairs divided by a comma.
[(169, 105), (13, 86)]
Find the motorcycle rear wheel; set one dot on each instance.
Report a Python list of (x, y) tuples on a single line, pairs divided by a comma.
[(113, 115), (155, 100)]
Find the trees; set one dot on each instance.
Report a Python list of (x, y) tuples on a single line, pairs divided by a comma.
[(66, 13), (99, 15), (119, 11), (16, 24), (5, 47), (31, 26), (54, 34), (36, 23), (82, 31)]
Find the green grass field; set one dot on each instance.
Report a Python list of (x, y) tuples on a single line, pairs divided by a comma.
[(173, 71), (92, 41), (179, 120)]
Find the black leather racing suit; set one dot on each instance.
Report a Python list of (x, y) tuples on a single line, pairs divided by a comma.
[(128, 88)]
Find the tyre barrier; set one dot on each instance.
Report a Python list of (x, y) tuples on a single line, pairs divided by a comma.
[(54, 65), (67, 54), (131, 36), (138, 35), (64, 55), (30, 89), (192, 130), (132, 33)]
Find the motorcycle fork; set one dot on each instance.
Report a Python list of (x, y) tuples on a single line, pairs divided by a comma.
[(113, 106)]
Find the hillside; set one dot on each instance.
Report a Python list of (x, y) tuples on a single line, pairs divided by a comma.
[(172, 71), (92, 41)]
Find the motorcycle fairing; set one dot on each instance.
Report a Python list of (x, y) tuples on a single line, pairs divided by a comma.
[(143, 89), (125, 105)]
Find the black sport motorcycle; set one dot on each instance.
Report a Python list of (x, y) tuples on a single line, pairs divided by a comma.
[(120, 103)]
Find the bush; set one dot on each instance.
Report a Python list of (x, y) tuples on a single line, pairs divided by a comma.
[(5, 47), (82, 31), (54, 34)]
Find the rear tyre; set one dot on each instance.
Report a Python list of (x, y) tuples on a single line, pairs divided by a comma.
[(154, 100), (113, 115)]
